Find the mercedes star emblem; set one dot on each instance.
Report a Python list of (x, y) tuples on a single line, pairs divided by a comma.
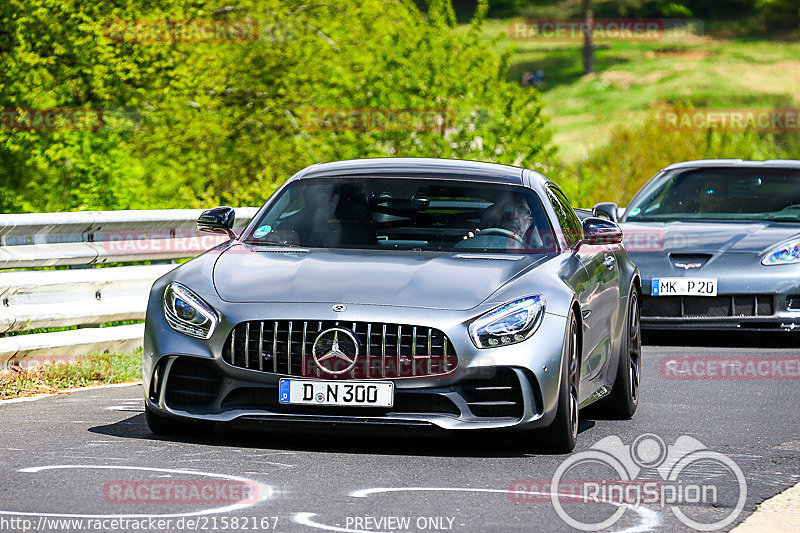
[(335, 351)]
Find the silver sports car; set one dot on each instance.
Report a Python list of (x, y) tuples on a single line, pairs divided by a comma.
[(410, 293), (718, 244)]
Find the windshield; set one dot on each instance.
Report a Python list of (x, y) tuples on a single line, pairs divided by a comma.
[(720, 194), (404, 213)]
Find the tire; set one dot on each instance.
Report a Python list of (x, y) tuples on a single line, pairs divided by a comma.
[(562, 434), (621, 404), (160, 425), (163, 425)]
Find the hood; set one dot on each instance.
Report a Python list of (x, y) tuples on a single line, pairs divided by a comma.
[(711, 238), (456, 281)]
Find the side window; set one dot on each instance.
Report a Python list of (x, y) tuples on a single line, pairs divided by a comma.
[(567, 219)]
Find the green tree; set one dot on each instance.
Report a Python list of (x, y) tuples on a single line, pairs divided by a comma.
[(53, 55), (227, 121)]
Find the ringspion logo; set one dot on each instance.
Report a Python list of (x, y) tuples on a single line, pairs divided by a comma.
[(706, 490)]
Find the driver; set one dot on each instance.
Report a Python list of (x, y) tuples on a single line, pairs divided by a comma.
[(511, 214), (712, 196)]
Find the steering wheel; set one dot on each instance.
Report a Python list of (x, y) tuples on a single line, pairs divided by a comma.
[(501, 232)]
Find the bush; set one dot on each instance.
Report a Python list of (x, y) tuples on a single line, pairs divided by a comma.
[(634, 154)]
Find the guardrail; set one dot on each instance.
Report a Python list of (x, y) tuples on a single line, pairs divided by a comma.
[(87, 296)]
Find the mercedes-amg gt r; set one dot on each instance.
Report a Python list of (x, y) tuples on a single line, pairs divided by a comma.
[(407, 293)]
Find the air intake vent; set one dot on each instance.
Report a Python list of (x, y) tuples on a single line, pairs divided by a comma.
[(192, 382), (500, 396), (735, 305)]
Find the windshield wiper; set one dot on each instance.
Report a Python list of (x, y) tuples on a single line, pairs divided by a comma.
[(655, 219), (782, 218)]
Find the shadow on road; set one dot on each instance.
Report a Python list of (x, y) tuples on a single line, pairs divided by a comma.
[(401, 442)]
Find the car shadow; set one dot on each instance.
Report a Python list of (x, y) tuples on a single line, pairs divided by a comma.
[(723, 339), (401, 442)]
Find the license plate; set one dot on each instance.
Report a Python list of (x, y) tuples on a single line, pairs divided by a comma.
[(350, 393), (684, 287)]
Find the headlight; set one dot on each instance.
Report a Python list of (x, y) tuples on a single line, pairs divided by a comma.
[(784, 254), (508, 324), (187, 313)]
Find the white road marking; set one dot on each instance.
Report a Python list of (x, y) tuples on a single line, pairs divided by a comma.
[(127, 405), (265, 492)]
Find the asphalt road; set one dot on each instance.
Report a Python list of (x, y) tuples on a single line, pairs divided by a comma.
[(62, 457)]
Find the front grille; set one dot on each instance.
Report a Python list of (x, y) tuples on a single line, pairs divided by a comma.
[(385, 350), (793, 302), (192, 382), (736, 305), (500, 396)]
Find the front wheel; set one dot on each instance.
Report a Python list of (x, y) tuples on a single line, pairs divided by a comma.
[(562, 434), (162, 425), (621, 404)]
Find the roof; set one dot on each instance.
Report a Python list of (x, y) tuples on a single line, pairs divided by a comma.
[(417, 167), (736, 163)]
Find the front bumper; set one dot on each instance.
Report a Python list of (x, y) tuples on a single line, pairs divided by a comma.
[(513, 387), (751, 296), (758, 309)]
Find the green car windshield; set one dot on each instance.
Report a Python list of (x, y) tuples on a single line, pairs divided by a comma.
[(736, 194)]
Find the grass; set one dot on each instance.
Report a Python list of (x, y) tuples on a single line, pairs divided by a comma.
[(68, 328), (634, 78), (93, 369)]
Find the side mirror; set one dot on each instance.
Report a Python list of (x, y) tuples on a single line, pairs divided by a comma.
[(597, 231), (218, 220), (607, 210)]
